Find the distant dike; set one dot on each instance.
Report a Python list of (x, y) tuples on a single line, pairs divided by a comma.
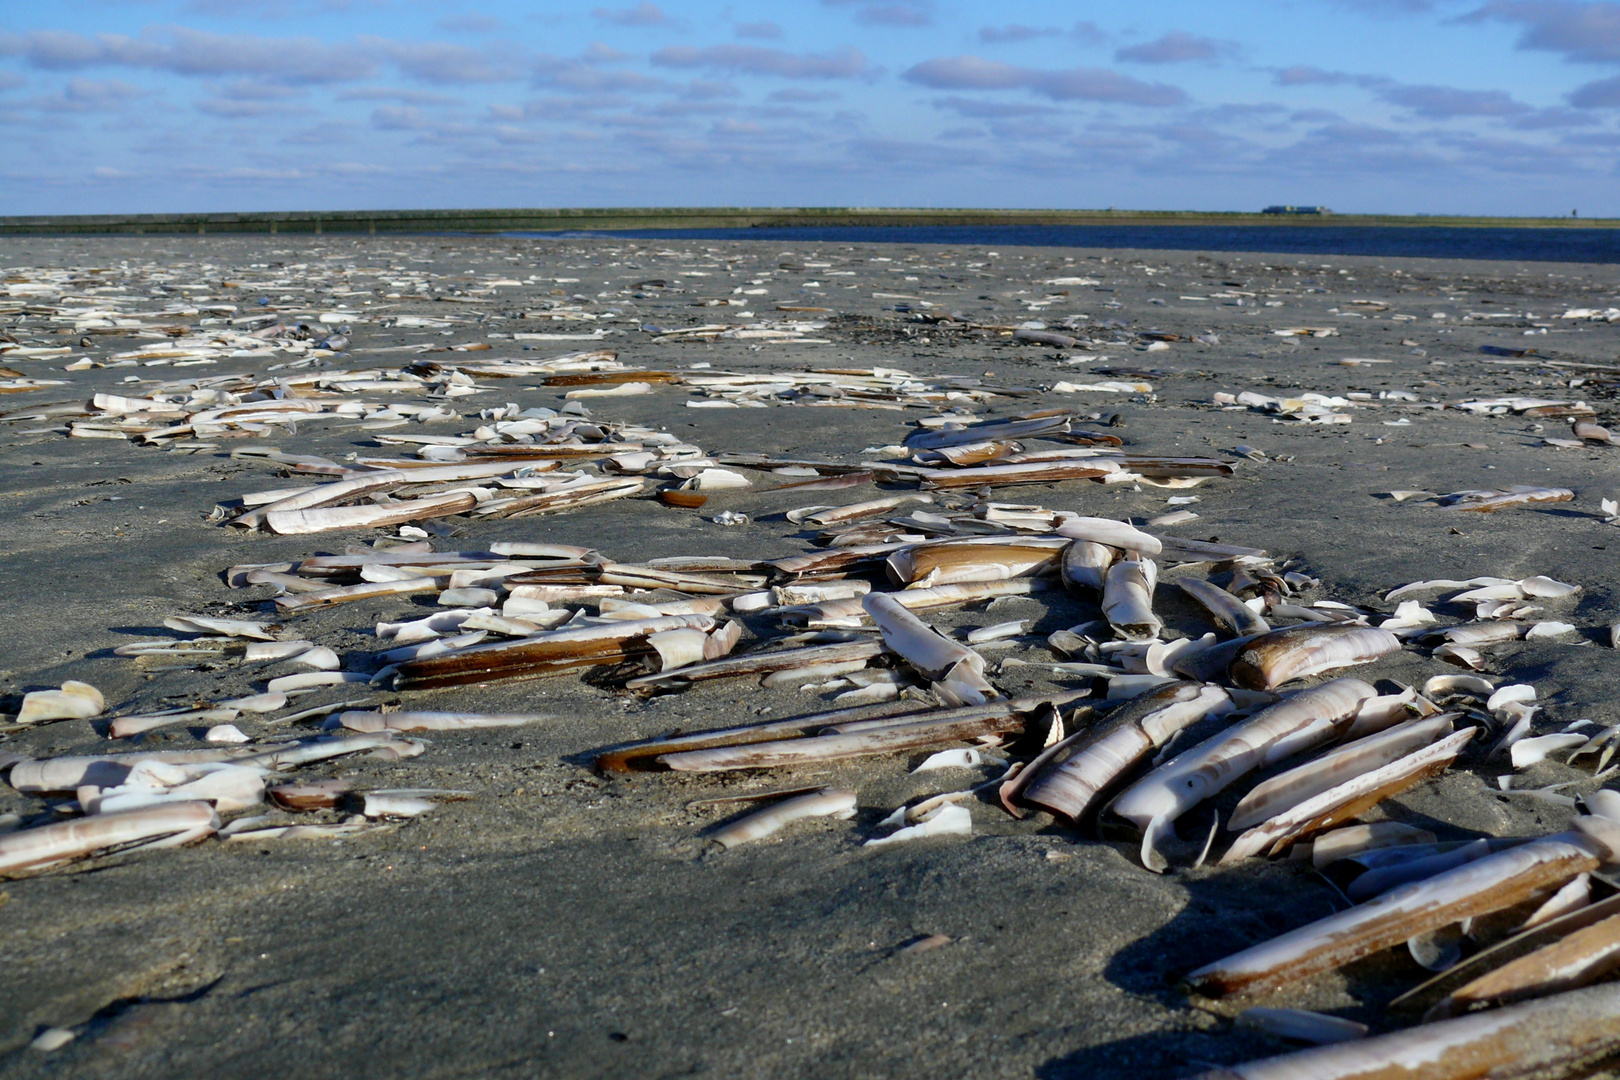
[(349, 222)]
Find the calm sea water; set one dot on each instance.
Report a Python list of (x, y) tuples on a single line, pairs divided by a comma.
[(1541, 245)]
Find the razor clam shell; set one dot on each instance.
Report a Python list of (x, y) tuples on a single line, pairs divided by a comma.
[(1174, 549), (1035, 472), (62, 775), (327, 518), (1297, 652), (124, 727), (923, 647), (227, 787), (1526, 941), (989, 430), (433, 721), (840, 612), (382, 805), (261, 651), (1115, 534), (761, 663), (324, 495), (1437, 685), (1488, 504), (293, 603), (200, 624), (1121, 741), (837, 747), (303, 680), (317, 795), (1210, 665), (837, 515), (762, 823), (1287, 790), (321, 748), (623, 758), (1387, 710), (1460, 655), (1500, 880), (1351, 840), (1479, 633), (1526, 752), (1308, 719), (1348, 799), (793, 676), (1127, 599), (1581, 959), (1555, 1036), (542, 654), (719, 643), (1418, 862), (1572, 897), (1019, 777), (964, 561), (1227, 611), (1302, 1025), (161, 826), (1085, 564), (678, 648)]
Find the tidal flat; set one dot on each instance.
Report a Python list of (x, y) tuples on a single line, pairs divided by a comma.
[(561, 921)]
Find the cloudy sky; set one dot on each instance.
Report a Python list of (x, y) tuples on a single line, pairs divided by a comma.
[(1437, 106)]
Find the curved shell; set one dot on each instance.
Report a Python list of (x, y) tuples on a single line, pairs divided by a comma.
[(1493, 883), (1309, 718), (1228, 612), (1297, 652), (1538, 1038), (1085, 564), (1289, 789), (1108, 531), (1127, 599), (1119, 744)]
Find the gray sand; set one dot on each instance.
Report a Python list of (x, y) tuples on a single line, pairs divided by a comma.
[(566, 924)]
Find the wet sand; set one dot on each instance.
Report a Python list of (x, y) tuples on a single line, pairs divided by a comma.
[(563, 923)]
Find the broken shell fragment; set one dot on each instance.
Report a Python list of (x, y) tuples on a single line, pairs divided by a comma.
[(950, 819), (74, 701), (762, 823), (1440, 685)]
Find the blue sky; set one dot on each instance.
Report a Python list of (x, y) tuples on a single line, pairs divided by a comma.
[(1402, 106)]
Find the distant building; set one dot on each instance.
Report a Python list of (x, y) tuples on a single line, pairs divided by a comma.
[(1296, 210)]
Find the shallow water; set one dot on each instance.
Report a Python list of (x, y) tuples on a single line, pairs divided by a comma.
[(1437, 242)]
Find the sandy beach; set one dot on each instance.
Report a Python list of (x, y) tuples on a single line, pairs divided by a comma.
[(562, 922)]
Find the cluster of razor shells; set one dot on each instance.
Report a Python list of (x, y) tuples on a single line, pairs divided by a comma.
[(1152, 729)]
